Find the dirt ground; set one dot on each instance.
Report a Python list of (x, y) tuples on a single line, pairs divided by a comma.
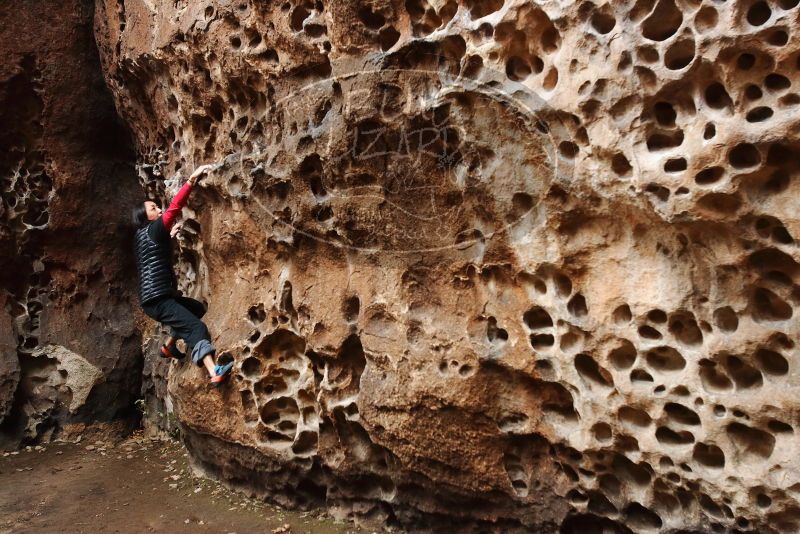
[(137, 485)]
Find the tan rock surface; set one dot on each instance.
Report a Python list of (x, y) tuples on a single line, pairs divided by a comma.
[(501, 265)]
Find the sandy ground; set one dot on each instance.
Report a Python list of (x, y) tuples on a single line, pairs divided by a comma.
[(137, 485)]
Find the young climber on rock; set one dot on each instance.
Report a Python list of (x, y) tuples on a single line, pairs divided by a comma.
[(158, 293)]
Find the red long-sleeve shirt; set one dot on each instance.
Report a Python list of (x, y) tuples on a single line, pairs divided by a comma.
[(175, 207)]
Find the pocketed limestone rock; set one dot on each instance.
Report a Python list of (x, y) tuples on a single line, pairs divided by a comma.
[(54, 387), (485, 265), (73, 372)]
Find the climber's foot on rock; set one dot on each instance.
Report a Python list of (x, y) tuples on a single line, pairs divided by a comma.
[(221, 373), (171, 352)]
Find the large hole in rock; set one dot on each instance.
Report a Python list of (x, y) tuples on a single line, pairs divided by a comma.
[(599, 504), (779, 427), (568, 149), (603, 22), (767, 306), (563, 285), (371, 20), (632, 473), (350, 308), (683, 327), (717, 97), (517, 68), (664, 141), (279, 411), (744, 375), (679, 55), (759, 13), (577, 306), (641, 517), (648, 332), (665, 359), (771, 362), (623, 356), (665, 114), (251, 367), (620, 164), (675, 165), (681, 414), (663, 22), (542, 341), (744, 155), (759, 114), (668, 436), (708, 455), (622, 314), (714, 380), (602, 431), (305, 444), (751, 444), (388, 37), (537, 318), (706, 19), (257, 314), (720, 204), (777, 82), (588, 368), (634, 416), (746, 61), (480, 8), (778, 38), (269, 386), (709, 176), (640, 375)]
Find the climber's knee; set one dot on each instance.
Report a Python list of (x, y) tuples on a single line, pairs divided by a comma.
[(202, 349), (197, 332)]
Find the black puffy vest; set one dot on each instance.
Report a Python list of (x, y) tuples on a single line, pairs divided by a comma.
[(154, 263)]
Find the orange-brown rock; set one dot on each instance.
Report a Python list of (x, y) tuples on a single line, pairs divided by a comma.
[(499, 265)]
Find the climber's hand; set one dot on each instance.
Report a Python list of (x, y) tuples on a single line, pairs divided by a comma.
[(175, 229), (199, 172)]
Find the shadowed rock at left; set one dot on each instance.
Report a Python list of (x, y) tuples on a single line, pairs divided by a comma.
[(70, 349)]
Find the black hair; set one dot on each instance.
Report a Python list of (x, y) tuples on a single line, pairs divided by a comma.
[(139, 215)]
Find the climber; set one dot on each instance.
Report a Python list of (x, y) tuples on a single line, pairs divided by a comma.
[(158, 292)]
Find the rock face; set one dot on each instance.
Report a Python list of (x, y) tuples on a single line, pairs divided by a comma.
[(485, 264), (70, 351), (9, 365)]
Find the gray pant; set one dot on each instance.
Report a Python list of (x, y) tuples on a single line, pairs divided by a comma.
[(182, 315)]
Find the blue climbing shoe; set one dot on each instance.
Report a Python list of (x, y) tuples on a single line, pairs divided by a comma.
[(221, 373)]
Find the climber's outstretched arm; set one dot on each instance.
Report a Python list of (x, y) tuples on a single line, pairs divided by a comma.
[(179, 201)]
